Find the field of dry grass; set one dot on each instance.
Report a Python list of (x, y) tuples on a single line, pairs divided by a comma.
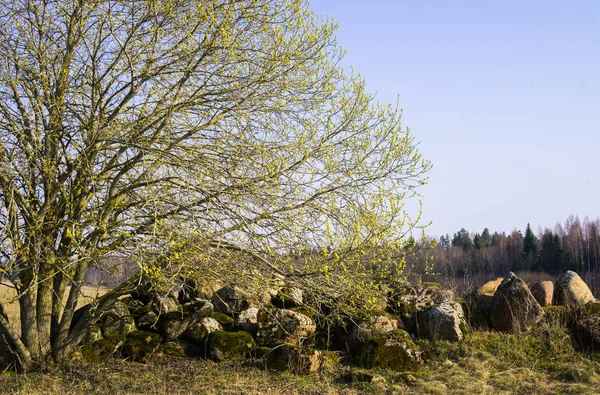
[(11, 304)]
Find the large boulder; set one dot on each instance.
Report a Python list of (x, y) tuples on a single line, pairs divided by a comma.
[(408, 301), (247, 321), (197, 288), (140, 345), (294, 360), (445, 321), (163, 304), (171, 325), (367, 329), (231, 300), (395, 350), (198, 333), (478, 303), (543, 292), (229, 345), (513, 307), (117, 321), (572, 291), (587, 327), (281, 326)]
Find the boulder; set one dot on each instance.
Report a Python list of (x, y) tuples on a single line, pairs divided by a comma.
[(587, 327), (229, 345), (513, 307), (148, 321), (294, 360), (247, 321), (163, 304), (282, 326), (407, 301), (140, 345), (572, 291), (117, 321), (395, 350), (199, 332), (231, 300), (224, 320), (369, 328), (171, 349), (478, 303), (196, 288), (543, 292), (102, 349), (171, 325), (289, 296), (93, 333), (445, 321)]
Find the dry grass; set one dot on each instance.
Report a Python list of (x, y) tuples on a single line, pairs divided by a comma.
[(11, 304), (540, 362)]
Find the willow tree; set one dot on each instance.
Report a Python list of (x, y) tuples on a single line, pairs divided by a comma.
[(132, 124)]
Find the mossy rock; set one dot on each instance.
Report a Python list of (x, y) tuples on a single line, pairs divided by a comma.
[(305, 311), (102, 349), (140, 345), (288, 358), (261, 352), (229, 345), (171, 349), (394, 350), (226, 321)]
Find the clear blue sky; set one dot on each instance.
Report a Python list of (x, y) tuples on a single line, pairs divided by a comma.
[(504, 97)]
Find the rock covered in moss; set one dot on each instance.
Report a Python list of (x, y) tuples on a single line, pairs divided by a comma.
[(117, 321), (587, 327), (171, 325), (367, 329), (247, 321), (282, 326), (395, 350), (543, 292), (513, 307), (294, 360), (408, 301), (199, 331), (140, 345), (102, 349), (171, 349), (229, 345), (231, 300), (227, 322), (445, 321), (163, 304), (572, 291)]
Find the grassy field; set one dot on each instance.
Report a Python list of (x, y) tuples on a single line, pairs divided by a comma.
[(540, 362), (11, 304)]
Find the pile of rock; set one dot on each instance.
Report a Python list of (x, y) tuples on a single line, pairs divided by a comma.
[(278, 328)]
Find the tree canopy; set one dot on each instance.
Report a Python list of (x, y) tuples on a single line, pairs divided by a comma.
[(133, 125)]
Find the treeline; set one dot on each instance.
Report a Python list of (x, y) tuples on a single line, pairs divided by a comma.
[(573, 245)]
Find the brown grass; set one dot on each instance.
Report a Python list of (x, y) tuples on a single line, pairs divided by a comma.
[(8, 298)]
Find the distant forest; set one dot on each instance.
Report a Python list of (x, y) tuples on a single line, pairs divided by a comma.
[(572, 245)]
